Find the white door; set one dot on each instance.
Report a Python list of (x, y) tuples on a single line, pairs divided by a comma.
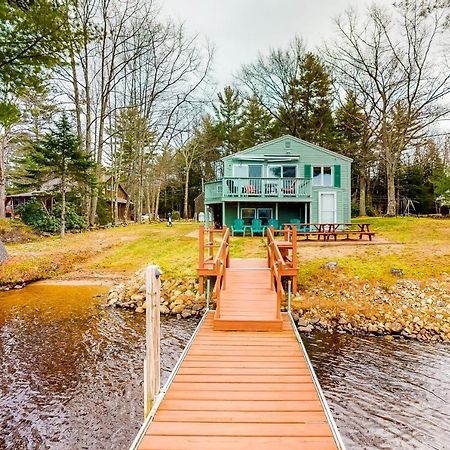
[(327, 207)]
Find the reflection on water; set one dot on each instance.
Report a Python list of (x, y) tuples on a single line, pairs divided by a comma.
[(71, 371), (385, 394)]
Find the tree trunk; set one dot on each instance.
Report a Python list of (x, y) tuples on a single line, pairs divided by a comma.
[(63, 208), (362, 193), (186, 195), (2, 178), (390, 184)]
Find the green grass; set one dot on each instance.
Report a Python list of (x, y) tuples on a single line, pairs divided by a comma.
[(420, 247)]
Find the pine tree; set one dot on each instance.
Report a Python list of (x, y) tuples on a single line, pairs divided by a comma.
[(306, 111), (33, 38), (59, 155), (228, 124), (257, 124), (354, 139)]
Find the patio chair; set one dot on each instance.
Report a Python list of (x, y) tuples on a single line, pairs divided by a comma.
[(295, 222), (257, 227), (274, 223), (238, 227)]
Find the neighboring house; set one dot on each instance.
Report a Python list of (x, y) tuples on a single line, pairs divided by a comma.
[(47, 190), (122, 198), (284, 179), (443, 203), (44, 193)]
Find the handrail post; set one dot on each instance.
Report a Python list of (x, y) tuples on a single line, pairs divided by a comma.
[(152, 337), (201, 256), (208, 293), (294, 258), (211, 242)]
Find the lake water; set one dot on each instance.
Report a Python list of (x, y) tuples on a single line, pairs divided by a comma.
[(72, 370)]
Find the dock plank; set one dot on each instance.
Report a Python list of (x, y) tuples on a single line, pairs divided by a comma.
[(248, 386)]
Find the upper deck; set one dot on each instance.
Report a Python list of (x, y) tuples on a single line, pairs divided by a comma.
[(258, 189)]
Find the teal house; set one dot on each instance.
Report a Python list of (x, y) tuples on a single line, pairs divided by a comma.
[(286, 178)]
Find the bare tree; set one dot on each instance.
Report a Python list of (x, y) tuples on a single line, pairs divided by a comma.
[(393, 66)]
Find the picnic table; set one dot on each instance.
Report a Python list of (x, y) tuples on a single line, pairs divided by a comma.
[(327, 230)]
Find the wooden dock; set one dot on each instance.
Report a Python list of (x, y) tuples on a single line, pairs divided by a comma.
[(244, 378), (247, 300)]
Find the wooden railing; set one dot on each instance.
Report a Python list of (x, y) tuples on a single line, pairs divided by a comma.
[(213, 263), (258, 187), (276, 265), (282, 259)]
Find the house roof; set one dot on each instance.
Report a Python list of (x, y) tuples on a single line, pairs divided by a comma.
[(284, 138)]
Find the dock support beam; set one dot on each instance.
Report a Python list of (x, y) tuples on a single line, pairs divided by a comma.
[(152, 337)]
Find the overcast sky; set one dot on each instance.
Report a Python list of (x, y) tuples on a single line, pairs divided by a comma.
[(239, 29)]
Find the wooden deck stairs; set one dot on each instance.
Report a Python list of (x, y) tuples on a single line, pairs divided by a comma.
[(247, 302)]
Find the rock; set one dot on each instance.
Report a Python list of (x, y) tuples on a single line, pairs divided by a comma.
[(139, 309), (439, 316), (197, 307), (389, 337), (186, 313), (164, 309), (397, 272), (441, 304), (178, 309), (342, 321), (302, 323), (306, 329), (396, 327), (314, 320), (137, 298), (330, 265)]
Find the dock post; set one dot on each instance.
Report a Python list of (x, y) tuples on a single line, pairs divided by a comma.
[(201, 257), (152, 337)]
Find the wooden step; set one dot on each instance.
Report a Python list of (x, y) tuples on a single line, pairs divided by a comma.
[(250, 324)]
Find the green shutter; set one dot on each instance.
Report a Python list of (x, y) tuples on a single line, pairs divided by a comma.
[(307, 170), (337, 176)]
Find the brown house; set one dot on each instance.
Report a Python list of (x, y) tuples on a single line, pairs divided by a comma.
[(124, 203)]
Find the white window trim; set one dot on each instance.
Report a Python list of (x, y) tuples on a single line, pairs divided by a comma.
[(335, 204), (282, 165), (321, 176)]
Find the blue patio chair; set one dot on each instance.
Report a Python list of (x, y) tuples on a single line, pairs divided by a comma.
[(257, 227), (295, 222), (274, 223), (238, 227)]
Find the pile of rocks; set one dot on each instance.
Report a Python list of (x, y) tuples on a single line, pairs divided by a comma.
[(179, 298), (408, 308)]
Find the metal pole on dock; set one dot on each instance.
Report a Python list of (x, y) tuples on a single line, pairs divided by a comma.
[(152, 337)]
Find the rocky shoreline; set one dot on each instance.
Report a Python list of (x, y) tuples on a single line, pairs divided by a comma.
[(179, 298), (406, 310)]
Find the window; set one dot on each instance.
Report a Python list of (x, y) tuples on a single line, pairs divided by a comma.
[(240, 170), (255, 170), (264, 214), (289, 171), (282, 171), (322, 176), (274, 171), (248, 214), (247, 170)]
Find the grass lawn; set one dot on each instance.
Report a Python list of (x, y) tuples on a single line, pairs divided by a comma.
[(420, 247)]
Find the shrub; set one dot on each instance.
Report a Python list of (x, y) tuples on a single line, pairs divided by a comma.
[(176, 215), (33, 213)]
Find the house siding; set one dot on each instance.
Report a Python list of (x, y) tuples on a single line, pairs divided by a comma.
[(303, 154)]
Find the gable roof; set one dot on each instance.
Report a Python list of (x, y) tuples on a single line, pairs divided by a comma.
[(284, 138)]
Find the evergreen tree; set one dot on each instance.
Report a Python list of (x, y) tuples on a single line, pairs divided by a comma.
[(306, 110), (59, 155), (228, 123), (353, 139), (33, 38), (257, 125)]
